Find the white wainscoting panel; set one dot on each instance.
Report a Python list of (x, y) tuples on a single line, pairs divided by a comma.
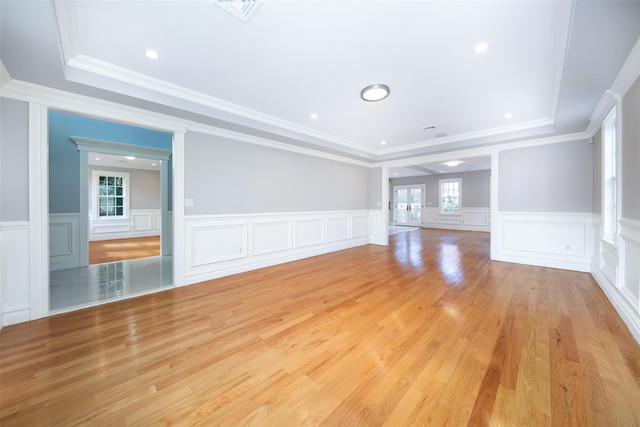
[(558, 240), (475, 217), (309, 232), (338, 229), (214, 244), (14, 272), (141, 223), (269, 237), (64, 243), (472, 219), (360, 225), (617, 271), (221, 245)]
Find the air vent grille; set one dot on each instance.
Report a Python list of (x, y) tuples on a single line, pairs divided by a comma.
[(241, 9)]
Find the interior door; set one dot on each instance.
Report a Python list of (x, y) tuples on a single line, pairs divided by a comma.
[(408, 202)]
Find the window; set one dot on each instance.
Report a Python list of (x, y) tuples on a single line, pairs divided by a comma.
[(609, 177), (450, 195), (111, 196)]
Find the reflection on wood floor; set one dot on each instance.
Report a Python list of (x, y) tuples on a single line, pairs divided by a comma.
[(426, 331), (118, 250)]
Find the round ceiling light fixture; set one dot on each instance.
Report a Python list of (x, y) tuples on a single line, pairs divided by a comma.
[(151, 54), (376, 92)]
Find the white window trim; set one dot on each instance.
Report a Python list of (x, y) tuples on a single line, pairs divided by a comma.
[(612, 238), (442, 181), (95, 174)]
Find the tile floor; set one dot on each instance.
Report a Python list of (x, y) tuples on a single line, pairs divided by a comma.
[(100, 283)]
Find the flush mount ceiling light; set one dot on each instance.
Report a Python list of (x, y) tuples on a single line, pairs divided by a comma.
[(453, 163), (129, 157), (481, 48), (508, 115), (376, 92), (151, 54)]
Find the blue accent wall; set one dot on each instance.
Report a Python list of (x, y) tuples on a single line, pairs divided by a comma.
[(64, 157)]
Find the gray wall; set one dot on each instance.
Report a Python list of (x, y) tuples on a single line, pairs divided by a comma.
[(547, 178), (144, 186), (630, 153), (475, 187), (14, 160), (223, 176), (375, 188)]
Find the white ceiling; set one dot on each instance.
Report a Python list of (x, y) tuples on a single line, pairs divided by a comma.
[(548, 64)]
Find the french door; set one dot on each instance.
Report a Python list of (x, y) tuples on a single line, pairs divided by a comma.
[(408, 201)]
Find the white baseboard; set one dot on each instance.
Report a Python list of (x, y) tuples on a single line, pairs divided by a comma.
[(16, 315), (229, 270), (616, 270), (627, 313)]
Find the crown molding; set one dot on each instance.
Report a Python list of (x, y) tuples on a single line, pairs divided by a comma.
[(483, 151), (486, 133), (629, 73), (85, 105)]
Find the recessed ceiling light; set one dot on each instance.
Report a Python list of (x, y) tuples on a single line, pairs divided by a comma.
[(97, 158), (314, 116), (508, 115), (453, 163), (151, 54), (376, 92), (129, 157), (383, 142), (481, 48), (153, 164)]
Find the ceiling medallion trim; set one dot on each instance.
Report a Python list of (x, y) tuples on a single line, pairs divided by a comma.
[(241, 9)]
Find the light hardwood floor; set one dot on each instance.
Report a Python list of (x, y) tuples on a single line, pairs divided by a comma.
[(101, 251), (426, 331)]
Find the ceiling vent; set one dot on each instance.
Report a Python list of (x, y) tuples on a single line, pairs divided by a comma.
[(241, 9)]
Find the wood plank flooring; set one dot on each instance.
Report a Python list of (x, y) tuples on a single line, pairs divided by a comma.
[(101, 251), (426, 331)]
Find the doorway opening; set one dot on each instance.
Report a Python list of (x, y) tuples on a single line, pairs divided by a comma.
[(123, 204)]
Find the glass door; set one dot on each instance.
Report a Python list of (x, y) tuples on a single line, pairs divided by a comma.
[(408, 202)]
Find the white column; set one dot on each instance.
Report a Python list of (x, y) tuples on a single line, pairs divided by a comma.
[(178, 208), (38, 211)]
